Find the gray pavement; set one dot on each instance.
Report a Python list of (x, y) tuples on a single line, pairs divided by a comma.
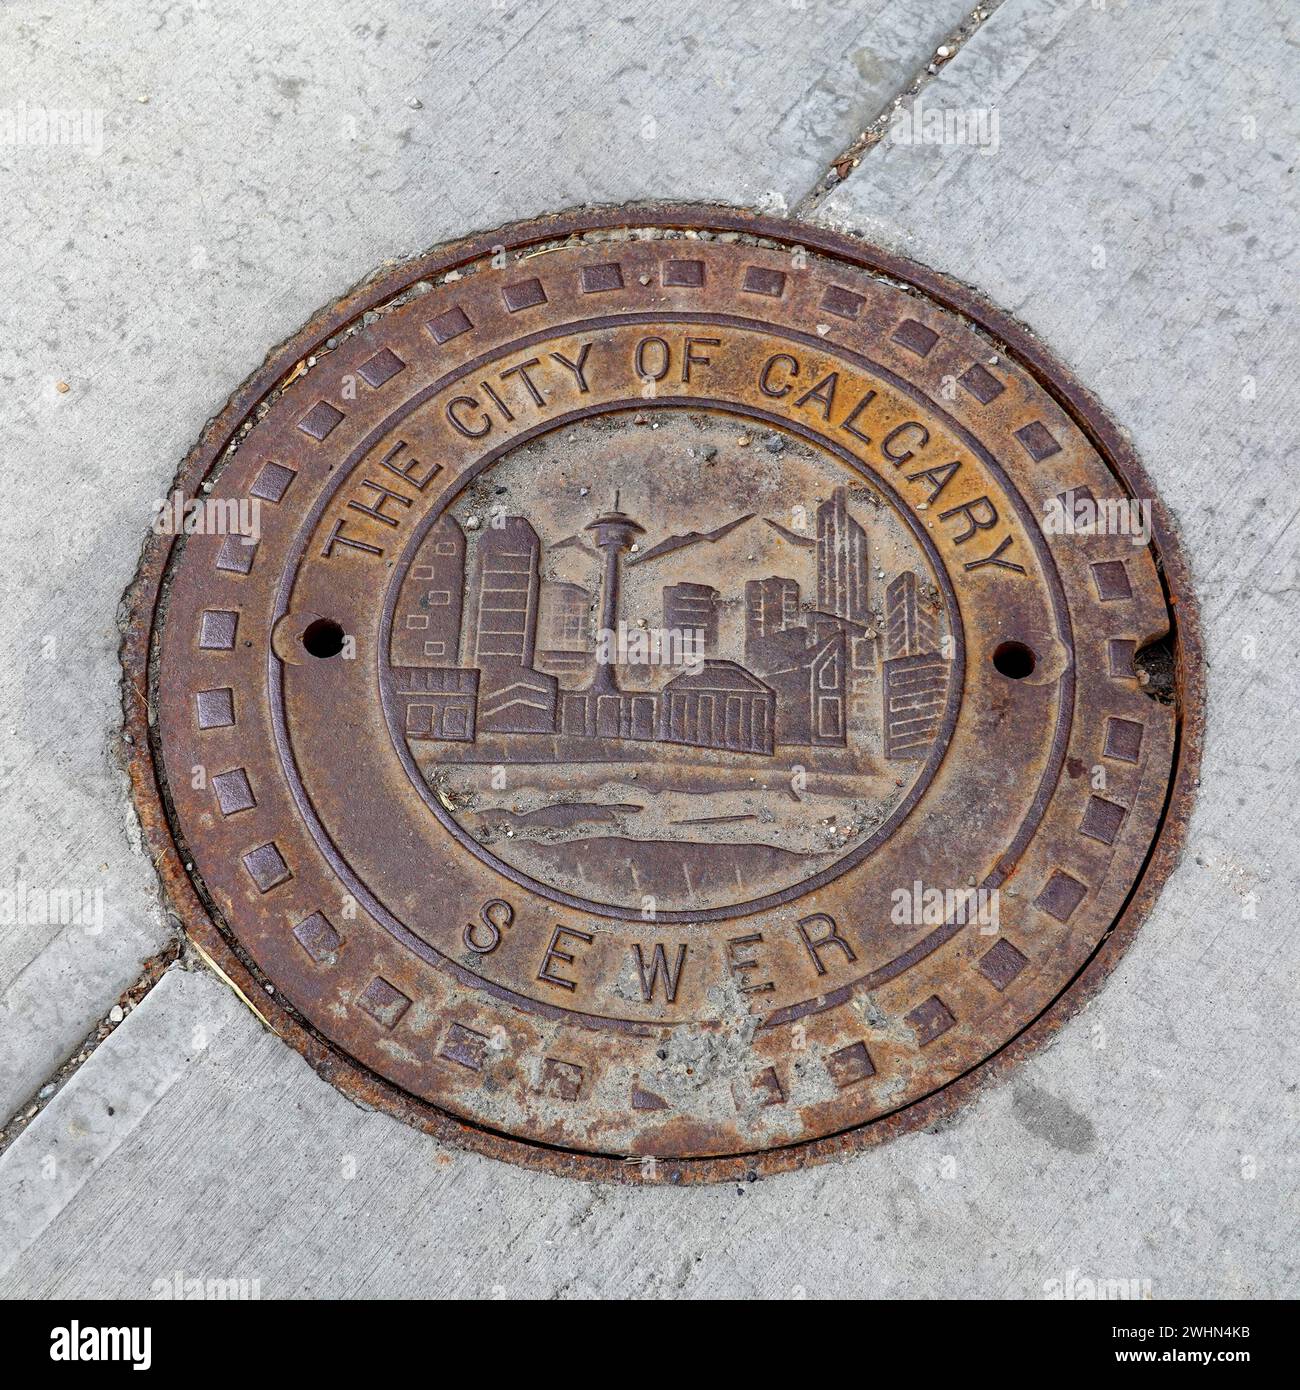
[(1138, 212)]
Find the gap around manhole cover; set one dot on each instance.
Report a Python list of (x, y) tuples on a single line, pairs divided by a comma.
[(656, 694)]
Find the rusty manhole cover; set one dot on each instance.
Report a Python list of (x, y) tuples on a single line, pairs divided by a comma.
[(655, 709)]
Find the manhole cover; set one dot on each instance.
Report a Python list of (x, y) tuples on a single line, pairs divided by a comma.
[(677, 698)]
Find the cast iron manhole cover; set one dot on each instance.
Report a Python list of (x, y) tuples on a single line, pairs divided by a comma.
[(662, 686)]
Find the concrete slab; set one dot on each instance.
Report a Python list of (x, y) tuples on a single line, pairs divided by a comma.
[(227, 1158), (238, 166), (1153, 1142)]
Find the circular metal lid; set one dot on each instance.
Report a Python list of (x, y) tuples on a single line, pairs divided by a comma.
[(662, 685)]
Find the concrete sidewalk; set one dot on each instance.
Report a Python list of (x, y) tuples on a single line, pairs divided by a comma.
[(1133, 204)]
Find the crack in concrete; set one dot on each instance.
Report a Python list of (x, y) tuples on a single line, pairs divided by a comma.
[(153, 970), (843, 165)]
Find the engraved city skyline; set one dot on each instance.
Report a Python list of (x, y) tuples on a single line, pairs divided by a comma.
[(510, 654), (801, 708)]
